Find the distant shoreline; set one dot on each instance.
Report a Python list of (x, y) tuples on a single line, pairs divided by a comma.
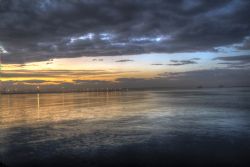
[(121, 90)]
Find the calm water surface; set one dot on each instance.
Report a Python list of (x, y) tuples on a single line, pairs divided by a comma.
[(138, 128)]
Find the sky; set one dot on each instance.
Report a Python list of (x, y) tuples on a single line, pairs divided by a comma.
[(99, 44)]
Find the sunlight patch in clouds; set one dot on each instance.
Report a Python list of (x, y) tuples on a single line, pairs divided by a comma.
[(2, 50)]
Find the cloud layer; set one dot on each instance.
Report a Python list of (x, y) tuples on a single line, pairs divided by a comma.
[(191, 79), (44, 29), (183, 62), (241, 61)]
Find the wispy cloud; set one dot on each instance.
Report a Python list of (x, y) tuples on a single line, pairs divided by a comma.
[(241, 58), (183, 62), (124, 60), (157, 64), (97, 59), (241, 61)]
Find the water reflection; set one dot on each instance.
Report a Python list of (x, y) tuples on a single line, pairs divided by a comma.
[(19, 109), (146, 124), (38, 105)]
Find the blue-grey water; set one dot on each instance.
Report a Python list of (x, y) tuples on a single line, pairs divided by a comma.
[(201, 127)]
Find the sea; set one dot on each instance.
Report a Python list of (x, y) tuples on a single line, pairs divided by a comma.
[(177, 127)]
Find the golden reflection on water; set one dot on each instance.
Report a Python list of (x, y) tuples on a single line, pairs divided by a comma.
[(26, 109), (38, 105)]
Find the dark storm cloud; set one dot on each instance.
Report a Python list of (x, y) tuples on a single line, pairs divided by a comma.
[(44, 29), (183, 62)]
